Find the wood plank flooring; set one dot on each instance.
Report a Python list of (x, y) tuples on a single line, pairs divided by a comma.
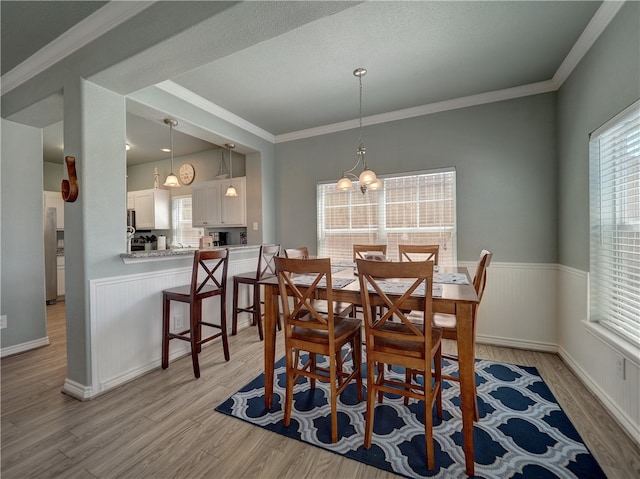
[(163, 425)]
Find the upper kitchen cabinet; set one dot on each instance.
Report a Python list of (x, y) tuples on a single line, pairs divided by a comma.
[(211, 208), (152, 207), (53, 199)]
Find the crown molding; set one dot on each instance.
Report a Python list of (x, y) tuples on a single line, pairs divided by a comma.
[(192, 98), (456, 103), (92, 27), (588, 37)]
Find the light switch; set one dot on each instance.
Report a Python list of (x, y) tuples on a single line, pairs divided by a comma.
[(255, 226)]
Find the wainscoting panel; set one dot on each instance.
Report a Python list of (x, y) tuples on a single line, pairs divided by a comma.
[(519, 306), (126, 322)]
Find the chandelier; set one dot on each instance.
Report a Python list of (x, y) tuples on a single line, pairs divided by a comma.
[(367, 178)]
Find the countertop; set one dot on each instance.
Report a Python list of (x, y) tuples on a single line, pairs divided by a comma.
[(176, 253)]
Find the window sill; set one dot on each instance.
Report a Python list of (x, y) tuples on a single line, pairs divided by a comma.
[(630, 351)]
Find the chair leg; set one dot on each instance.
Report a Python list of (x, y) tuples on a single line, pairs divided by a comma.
[(333, 377), (357, 361), (371, 395), (288, 401), (166, 314), (257, 314), (194, 327), (234, 325), (223, 326), (428, 433)]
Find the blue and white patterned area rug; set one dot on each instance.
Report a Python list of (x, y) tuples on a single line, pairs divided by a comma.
[(522, 433)]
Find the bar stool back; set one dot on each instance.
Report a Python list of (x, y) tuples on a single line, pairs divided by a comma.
[(265, 269)]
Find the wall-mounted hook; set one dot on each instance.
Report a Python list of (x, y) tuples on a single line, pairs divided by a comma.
[(70, 186)]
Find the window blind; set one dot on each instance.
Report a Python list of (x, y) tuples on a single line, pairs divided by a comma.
[(183, 232), (614, 151), (416, 208)]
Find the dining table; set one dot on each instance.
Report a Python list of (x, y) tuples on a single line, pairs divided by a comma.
[(456, 295)]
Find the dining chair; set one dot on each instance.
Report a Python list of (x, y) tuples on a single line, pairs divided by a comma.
[(301, 252), (415, 252), (360, 250), (266, 268), (308, 330), (413, 346), (208, 279), (447, 322)]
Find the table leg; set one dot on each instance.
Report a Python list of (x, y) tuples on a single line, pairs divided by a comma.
[(466, 358), (270, 319)]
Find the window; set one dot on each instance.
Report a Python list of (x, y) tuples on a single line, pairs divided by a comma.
[(416, 208), (614, 151), (183, 232)]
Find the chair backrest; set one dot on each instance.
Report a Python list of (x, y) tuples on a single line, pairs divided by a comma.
[(480, 278), (297, 305), (302, 252), (419, 252), (209, 273), (359, 250), (376, 279), (266, 263)]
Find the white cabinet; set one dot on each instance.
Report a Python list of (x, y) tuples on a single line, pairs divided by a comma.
[(60, 275), (211, 208), (53, 199), (153, 208)]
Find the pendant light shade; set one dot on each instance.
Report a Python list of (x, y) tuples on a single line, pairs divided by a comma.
[(172, 180), (231, 190)]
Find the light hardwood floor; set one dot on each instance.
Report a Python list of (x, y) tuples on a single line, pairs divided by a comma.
[(163, 425)]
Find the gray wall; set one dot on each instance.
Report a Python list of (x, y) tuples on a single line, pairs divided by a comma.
[(22, 296), (604, 83), (505, 159)]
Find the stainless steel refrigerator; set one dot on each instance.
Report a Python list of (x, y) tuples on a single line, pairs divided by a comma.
[(50, 253)]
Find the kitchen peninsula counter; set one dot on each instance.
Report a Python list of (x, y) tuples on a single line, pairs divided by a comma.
[(179, 253)]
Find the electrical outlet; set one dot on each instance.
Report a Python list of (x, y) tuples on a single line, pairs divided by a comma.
[(178, 322), (255, 226), (3, 321), (620, 364)]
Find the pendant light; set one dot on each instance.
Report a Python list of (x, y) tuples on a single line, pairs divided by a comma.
[(172, 180), (231, 191), (367, 178)]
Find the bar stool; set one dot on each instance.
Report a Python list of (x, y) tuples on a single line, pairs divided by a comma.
[(266, 268), (208, 279)]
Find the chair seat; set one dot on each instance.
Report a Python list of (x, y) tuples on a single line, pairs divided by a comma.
[(342, 327), (185, 290), (409, 348)]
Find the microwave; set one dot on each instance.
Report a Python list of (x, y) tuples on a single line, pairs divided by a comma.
[(131, 218)]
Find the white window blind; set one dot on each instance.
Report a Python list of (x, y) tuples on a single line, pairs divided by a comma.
[(183, 233), (418, 208), (614, 151)]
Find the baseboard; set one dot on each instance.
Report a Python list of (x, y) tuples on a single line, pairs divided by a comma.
[(77, 390), (517, 344), (23, 347), (601, 395)]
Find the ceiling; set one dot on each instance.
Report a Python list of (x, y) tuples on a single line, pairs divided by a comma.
[(298, 79)]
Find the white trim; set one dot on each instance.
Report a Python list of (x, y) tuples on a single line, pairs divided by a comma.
[(23, 347), (623, 419), (447, 105), (98, 23), (592, 31), (517, 344), (614, 341), (77, 390)]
